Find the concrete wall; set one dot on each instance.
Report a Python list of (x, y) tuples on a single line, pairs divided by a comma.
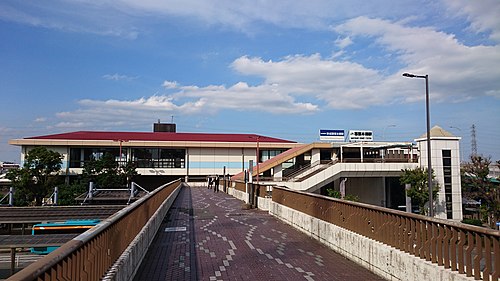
[(127, 264), (262, 203), (381, 259)]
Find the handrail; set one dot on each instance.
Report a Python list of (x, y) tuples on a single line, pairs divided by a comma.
[(468, 249), (91, 254)]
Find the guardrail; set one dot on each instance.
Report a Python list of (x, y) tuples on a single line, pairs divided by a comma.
[(90, 255), (470, 250)]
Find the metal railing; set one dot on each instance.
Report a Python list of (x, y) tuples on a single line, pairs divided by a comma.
[(379, 160), (90, 255), (470, 250)]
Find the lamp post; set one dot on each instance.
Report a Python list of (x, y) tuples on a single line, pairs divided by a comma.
[(429, 165), (257, 158)]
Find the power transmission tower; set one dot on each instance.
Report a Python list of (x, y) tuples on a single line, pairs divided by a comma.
[(473, 142)]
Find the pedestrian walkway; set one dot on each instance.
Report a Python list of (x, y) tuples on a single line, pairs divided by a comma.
[(209, 236)]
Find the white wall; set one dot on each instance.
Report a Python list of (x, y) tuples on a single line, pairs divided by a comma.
[(437, 146)]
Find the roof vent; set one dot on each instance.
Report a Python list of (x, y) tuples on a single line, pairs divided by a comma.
[(164, 127)]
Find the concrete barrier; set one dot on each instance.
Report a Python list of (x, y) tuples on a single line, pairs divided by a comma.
[(381, 259)]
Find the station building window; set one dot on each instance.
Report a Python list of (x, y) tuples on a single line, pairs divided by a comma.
[(268, 154), (153, 157), (78, 156), (150, 157)]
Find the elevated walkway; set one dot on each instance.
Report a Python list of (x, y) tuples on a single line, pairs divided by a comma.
[(281, 158), (208, 236), (325, 175)]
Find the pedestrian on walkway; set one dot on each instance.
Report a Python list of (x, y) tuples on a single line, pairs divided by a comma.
[(210, 182), (216, 186)]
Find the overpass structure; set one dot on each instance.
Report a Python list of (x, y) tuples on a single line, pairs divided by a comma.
[(368, 170), (393, 244)]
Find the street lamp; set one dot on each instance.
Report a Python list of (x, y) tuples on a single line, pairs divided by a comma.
[(429, 165)]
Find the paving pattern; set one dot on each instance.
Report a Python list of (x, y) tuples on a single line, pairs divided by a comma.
[(209, 236)]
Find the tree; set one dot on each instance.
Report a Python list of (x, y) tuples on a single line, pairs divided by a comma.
[(37, 176), (336, 194), (419, 190), (106, 173), (477, 185), (68, 192)]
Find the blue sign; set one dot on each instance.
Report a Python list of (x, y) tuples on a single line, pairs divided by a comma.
[(332, 135)]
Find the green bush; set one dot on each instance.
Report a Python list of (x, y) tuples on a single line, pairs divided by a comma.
[(473, 222)]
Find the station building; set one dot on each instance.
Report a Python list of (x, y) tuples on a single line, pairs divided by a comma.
[(369, 170)]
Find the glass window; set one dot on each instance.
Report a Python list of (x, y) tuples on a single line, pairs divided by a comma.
[(159, 157), (446, 155)]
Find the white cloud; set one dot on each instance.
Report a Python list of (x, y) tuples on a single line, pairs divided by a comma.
[(302, 84), (188, 100), (340, 84), (127, 18), (457, 72), (483, 15), (343, 43), (71, 16), (170, 84), (118, 77)]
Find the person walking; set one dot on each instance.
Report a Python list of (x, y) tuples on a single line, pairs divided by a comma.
[(216, 185), (210, 182)]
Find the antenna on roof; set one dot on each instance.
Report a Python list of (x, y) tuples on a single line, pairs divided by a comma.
[(172, 119), (159, 121)]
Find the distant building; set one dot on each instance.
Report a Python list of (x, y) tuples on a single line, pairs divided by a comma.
[(162, 154), (372, 169), (4, 168)]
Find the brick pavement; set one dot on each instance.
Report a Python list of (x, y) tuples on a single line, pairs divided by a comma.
[(208, 236)]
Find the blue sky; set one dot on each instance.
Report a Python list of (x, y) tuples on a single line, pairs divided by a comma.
[(279, 68)]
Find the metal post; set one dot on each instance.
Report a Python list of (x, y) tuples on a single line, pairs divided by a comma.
[(258, 158), (12, 261), (56, 197), (11, 196), (250, 181), (408, 199), (91, 190), (132, 190), (429, 159), (224, 179)]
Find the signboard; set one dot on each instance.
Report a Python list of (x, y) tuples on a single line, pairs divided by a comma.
[(360, 135), (332, 135)]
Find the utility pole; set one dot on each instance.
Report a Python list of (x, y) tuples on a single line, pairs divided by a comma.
[(473, 142)]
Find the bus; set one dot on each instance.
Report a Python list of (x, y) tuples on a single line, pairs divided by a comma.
[(65, 227)]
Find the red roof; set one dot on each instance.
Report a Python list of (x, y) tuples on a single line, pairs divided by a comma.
[(159, 136)]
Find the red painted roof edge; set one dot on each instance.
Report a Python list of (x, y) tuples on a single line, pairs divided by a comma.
[(160, 136)]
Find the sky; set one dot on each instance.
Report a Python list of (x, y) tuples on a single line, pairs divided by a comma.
[(283, 69)]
